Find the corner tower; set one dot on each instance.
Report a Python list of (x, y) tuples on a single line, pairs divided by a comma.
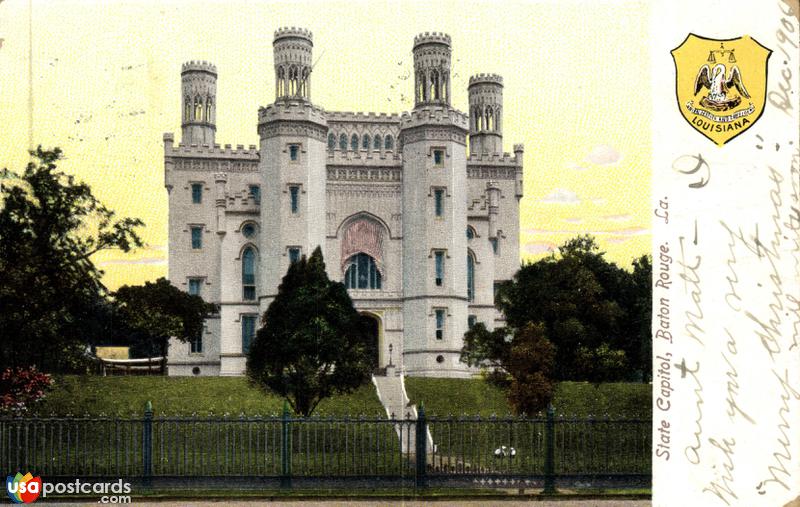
[(433, 138), (293, 157), (485, 114), (199, 92)]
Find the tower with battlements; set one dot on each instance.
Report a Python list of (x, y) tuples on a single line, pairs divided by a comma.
[(417, 226)]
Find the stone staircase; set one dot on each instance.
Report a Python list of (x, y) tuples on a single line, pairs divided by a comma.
[(391, 390)]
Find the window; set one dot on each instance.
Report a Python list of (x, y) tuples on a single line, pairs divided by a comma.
[(197, 237), (331, 141), (470, 232), (365, 142), (294, 255), (470, 278), (493, 241), (438, 157), (294, 151), (439, 256), (354, 142), (389, 143), (439, 324), (197, 193), (195, 285), (342, 142), (249, 275), (438, 195), (362, 273), (376, 143), (196, 344), (248, 230), (255, 191), (294, 192), (471, 321), (248, 332)]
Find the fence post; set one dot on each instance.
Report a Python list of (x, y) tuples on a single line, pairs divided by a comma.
[(549, 453), (147, 443), (286, 448), (422, 448)]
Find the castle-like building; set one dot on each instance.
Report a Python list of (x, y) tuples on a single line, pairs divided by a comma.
[(418, 226)]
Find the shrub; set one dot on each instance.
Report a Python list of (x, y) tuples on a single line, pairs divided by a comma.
[(22, 387)]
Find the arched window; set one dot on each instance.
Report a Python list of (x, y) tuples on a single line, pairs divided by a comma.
[(188, 112), (362, 273), (249, 274), (376, 143), (470, 232), (198, 109), (354, 142), (342, 142), (365, 142), (389, 144), (331, 141), (470, 278), (208, 110)]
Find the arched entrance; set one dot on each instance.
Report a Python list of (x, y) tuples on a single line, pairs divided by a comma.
[(372, 327)]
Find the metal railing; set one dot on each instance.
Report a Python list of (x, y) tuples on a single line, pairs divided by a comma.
[(539, 451)]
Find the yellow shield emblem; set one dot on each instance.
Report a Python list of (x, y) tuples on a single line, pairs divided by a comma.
[(721, 84)]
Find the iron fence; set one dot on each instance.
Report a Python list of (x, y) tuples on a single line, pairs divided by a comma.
[(539, 451)]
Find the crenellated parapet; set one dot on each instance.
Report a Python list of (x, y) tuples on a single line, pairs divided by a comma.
[(292, 50), (432, 38), (199, 66), (299, 118), (209, 158), (434, 123)]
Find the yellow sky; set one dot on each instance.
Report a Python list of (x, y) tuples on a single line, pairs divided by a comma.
[(106, 86)]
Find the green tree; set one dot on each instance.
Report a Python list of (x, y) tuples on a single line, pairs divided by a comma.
[(50, 227), (313, 343), (148, 315), (530, 365), (584, 302)]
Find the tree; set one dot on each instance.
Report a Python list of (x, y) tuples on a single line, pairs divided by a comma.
[(50, 227), (584, 302), (313, 343), (147, 316), (530, 366)]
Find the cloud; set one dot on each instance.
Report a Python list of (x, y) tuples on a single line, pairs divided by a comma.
[(603, 154), (628, 231), (539, 247), (143, 260), (561, 196), (574, 220), (618, 218), (598, 200), (576, 167)]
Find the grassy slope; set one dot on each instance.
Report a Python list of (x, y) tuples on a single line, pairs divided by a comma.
[(477, 397), (92, 395)]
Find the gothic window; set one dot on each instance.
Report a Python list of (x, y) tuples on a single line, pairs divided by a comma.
[(489, 118), (194, 286), (187, 114), (493, 241), (439, 260), (435, 85), (294, 152), (294, 194), (197, 193), (208, 110), (470, 277), (470, 232), (342, 142), (365, 142), (255, 192), (438, 198), (354, 142), (376, 143), (439, 324), (362, 273), (294, 255), (438, 158), (389, 143), (198, 108), (331, 141), (197, 237), (196, 344), (249, 230), (249, 274), (248, 332), (471, 321)]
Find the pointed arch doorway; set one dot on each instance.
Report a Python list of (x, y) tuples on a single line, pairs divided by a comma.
[(373, 326)]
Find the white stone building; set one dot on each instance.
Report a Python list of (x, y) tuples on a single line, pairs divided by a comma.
[(418, 225)]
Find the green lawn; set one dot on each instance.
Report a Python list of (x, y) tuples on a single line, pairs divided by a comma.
[(477, 397), (91, 395)]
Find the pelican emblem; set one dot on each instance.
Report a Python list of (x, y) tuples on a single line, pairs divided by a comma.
[(719, 87)]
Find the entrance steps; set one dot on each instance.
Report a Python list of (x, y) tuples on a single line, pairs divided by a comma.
[(391, 390)]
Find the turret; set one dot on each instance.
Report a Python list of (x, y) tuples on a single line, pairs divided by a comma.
[(199, 92), (485, 114), (292, 53), (431, 69)]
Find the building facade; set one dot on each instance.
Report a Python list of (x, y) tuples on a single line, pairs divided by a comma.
[(417, 213)]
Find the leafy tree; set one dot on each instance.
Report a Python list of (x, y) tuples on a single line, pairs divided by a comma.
[(50, 227), (530, 366), (313, 343), (584, 302), (147, 316), (491, 350)]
